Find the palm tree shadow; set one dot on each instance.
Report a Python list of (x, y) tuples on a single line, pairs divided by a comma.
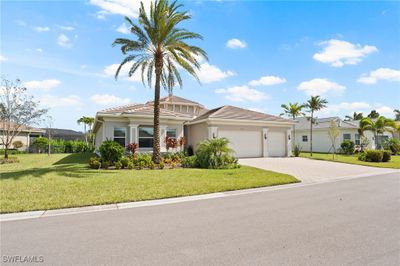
[(66, 167)]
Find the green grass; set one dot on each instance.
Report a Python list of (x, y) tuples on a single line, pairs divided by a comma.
[(40, 182), (353, 159)]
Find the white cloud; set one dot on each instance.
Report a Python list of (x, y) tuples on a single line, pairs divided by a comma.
[(128, 8), (57, 101), (39, 50), (3, 58), (338, 53), (106, 99), (267, 81), (64, 41), (320, 86), (123, 29), (41, 29), (235, 44), (211, 73), (380, 74), (243, 93), (385, 111), (66, 28), (350, 107), (45, 85), (123, 74)]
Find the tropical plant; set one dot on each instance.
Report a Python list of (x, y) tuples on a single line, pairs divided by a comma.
[(356, 116), (111, 151), (17, 144), (215, 154), (160, 49), (378, 126), (86, 121), (296, 150), (397, 114), (373, 114), (293, 110), (393, 145), (347, 147), (315, 103)]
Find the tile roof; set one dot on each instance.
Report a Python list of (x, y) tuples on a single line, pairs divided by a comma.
[(23, 128), (236, 113), (304, 123), (176, 100)]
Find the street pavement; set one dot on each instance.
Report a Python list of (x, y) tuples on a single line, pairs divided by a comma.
[(348, 222)]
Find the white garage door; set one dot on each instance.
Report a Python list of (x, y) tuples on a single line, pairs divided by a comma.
[(244, 143), (276, 144)]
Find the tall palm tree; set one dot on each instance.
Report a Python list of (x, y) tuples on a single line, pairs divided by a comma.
[(315, 103), (293, 110), (356, 116), (86, 121), (378, 126), (373, 114), (158, 50)]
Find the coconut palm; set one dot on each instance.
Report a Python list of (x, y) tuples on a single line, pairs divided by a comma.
[(356, 116), (86, 121), (158, 49), (373, 114), (315, 103), (378, 126), (293, 110)]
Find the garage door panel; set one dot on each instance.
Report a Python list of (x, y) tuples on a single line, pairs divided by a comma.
[(244, 143), (276, 144)]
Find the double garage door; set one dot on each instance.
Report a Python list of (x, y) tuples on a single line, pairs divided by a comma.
[(249, 143)]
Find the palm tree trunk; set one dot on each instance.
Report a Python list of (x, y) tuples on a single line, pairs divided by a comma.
[(84, 129), (156, 136), (294, 134), (312, 118)]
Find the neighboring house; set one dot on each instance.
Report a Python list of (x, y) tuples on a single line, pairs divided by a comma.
[(64, 134), (27, 136), (252, 134), (321, 141)]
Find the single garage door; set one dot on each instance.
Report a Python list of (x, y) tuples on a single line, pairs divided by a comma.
[(276, 144), (244, 143)]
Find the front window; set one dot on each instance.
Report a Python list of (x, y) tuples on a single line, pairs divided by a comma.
[(305, 138), (357, 139), (171, 133), (146, 137), (346, 137), (120, 135)]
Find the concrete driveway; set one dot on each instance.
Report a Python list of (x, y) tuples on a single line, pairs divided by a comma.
[(312, 171)]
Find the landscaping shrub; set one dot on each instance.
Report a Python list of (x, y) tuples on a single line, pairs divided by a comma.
[(144, 159), (105, 164), (347, 147), (94, 163), (124, 162), (12, 151), (373, 155), (162, 165), (111, 151), (118, 165), (189, 161), (362, 156), (387, 156), (393, 145), (41, 144), (173, 165), (151, 165), (130, 165), (17, 144), (132, 147), (296, 150), (215, 154)]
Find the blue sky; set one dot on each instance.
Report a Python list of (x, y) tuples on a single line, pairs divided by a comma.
[(262, 54)]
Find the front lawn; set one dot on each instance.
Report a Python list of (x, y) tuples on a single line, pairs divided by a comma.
[(41, 182), (353, 159)]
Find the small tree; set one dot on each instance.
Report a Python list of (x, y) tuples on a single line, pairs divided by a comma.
[(334, 133), (17, 110)]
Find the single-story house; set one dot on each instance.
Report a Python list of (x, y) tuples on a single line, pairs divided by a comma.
[(251, 134), (64, 134), (27, 136), (321, 141)]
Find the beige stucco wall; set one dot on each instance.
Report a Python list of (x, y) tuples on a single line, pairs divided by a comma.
[(23, 137), (196, 134)]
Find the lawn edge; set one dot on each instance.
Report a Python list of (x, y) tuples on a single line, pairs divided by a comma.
[(320, 159)]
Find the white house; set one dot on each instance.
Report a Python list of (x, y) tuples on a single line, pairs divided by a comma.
[(321, 141), (252, 134)]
